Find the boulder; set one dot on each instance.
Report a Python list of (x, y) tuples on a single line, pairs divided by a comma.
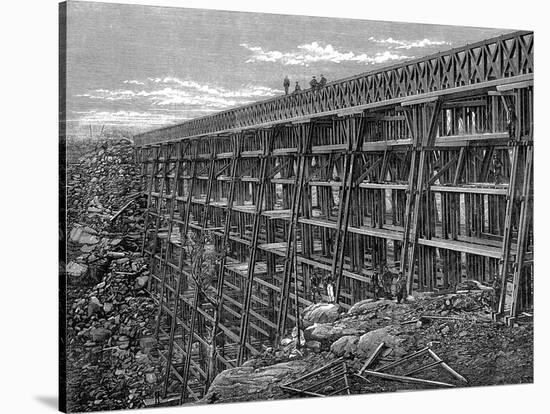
[(94, 306), (363, 346), (90, 230), (368, 342), (286, 341), (367, 305), (141, 358), (76, 270), (141, 282), (86, 238), (75, 233), (330, 332), (87, 248), (314, 345), (79, 235), (100, 334), (320, 313), (345, 346), (115, 255), (236, 383)]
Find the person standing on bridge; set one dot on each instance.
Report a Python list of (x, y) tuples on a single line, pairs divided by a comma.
[(323, 81), (297, 88), (286, 84), (313, 83)]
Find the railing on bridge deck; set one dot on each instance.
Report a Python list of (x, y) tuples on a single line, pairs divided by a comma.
[(501, 57)]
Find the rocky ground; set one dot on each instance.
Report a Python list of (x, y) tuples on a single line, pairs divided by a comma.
[(456, 326), (111, 361)]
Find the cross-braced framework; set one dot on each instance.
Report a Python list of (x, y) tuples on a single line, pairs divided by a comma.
[(433, 179)]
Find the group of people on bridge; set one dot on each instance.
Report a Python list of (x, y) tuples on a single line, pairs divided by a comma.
[(313, 83)]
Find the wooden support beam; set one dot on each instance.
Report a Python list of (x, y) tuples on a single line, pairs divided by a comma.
[(266, 143), (304, 147), (524, 226)]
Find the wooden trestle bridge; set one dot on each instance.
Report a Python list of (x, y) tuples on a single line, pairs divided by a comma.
[(425, 166)]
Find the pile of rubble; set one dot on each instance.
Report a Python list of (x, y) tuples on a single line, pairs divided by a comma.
[(101, 183), (111, 354), (457, 328), (103, 209), (110, 343)]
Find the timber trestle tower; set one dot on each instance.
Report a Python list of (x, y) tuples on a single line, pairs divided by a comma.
[(425, 166)]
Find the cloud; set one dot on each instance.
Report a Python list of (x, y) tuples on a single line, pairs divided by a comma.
[(107, 95), (314, 52), (162, 101), (170, 91), (406, 44), (134, 82), (126, 118)]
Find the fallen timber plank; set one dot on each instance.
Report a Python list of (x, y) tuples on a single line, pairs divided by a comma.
[(372, 358), (313, 394), (315, 372), (447, 318), (404, 359), (334, 374), (447, 367), (346, 388), (411, 380), (119, 212), (338, 374)]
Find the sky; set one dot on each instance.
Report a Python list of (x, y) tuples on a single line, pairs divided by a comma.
[(137, 68)]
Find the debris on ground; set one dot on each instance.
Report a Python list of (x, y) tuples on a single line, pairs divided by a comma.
[(455, 327), (331, 379), (109, 312)]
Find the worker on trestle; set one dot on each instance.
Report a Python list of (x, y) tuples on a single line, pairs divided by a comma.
[(286, 84), (313, 83)]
